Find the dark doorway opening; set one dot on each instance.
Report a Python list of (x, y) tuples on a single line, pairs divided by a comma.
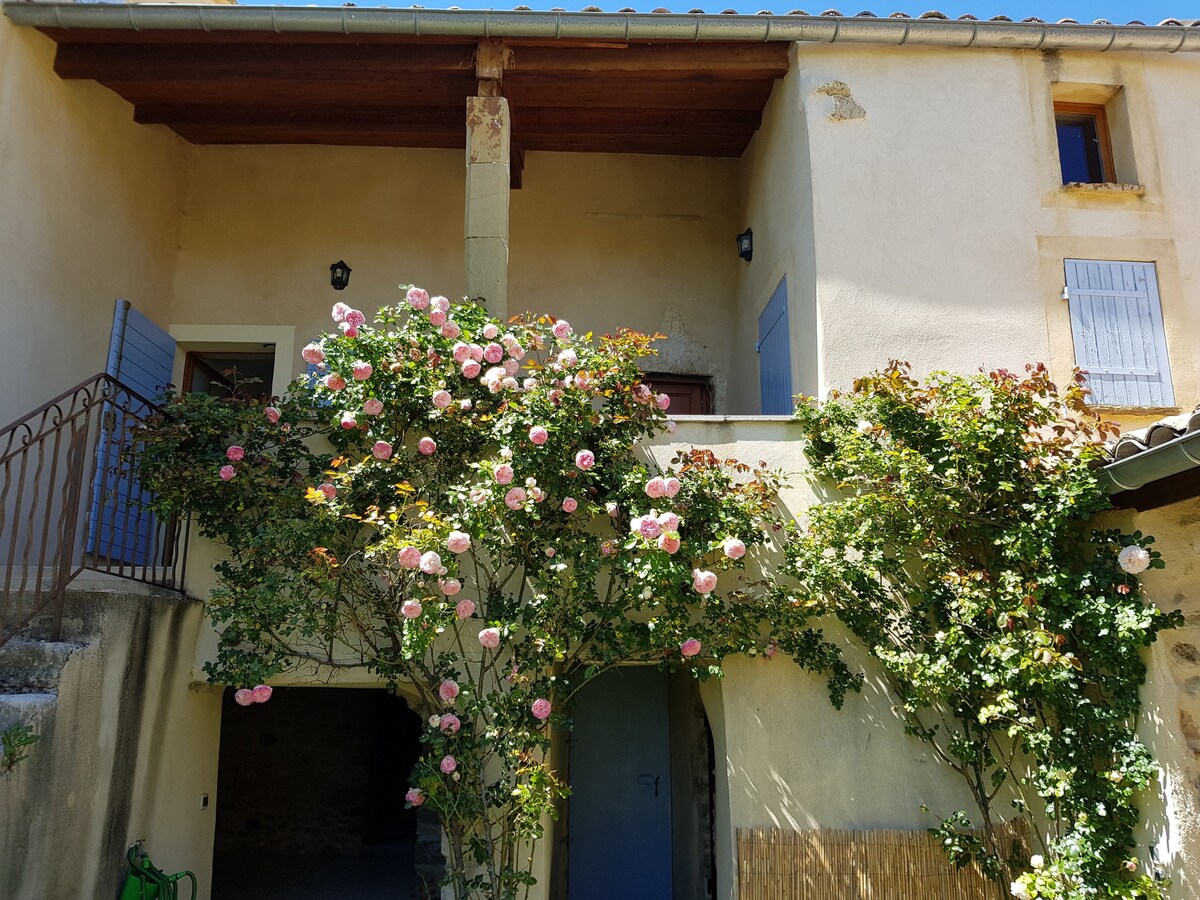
[(310, 798)]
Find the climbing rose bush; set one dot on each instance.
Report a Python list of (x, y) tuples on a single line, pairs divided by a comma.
[(959, 549), (457, 504)]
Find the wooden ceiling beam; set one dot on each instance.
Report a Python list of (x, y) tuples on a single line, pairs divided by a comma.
[(438, 118), (282, 133), (199, 62), (729, 61), (444, 91)]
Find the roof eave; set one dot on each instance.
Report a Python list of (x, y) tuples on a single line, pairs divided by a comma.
[(597, 26)]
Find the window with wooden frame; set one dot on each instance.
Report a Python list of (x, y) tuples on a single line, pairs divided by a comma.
[(691, 395), (1084, 143)]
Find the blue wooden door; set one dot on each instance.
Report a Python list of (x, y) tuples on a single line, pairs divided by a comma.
[(141, 357), (620, 816), (774, 355)]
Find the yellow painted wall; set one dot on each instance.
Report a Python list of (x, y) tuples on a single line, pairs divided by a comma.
[(938, 223), (89, 204)]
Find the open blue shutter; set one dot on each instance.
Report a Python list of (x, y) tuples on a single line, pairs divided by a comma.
[(1117, 327), (141, 356), (774, 355)]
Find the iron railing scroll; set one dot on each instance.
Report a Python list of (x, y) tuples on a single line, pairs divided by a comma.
[(70, 500)]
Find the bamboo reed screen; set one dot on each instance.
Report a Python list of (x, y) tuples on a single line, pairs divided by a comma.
[(857, 865)]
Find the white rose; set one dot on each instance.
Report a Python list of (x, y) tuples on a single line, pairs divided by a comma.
[(1134, 559)]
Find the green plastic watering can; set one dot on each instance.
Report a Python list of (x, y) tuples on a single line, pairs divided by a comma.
[(146, 882)]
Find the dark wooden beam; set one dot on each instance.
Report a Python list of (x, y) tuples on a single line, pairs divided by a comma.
[(448, 90), (338, 135), (699, 60), (317, 118)]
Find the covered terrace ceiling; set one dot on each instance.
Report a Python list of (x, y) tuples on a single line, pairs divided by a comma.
[(229, 87)]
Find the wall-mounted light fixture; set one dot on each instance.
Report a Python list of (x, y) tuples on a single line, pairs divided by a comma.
[(1066, 294), (745, 242), (339, 275)]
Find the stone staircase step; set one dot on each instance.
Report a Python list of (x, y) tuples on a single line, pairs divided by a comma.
[(19, 709), (33, 664)]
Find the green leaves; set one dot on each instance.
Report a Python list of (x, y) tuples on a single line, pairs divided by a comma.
[(1004, 624)]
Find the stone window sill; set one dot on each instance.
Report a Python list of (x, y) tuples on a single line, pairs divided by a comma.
[(1104, 189)]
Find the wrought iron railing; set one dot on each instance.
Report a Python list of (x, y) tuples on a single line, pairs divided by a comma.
[(70, 500)]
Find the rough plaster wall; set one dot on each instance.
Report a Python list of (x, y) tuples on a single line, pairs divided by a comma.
[(89, 206), (120, 751), (645, 242), (775, 197), (1171, 696)]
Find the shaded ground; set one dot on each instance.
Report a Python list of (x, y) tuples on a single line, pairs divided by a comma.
[(376, 873)]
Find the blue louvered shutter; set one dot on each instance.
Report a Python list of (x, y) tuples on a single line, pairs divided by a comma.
[(774, 355), (141, 356), (1117, 327)]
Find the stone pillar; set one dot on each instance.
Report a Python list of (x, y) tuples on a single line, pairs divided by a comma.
[(486, 221)]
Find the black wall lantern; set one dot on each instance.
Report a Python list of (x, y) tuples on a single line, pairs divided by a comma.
[(745, 242), (339, 275)]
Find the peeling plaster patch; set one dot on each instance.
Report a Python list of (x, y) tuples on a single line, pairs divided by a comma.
[(844, 107), (682, 354)]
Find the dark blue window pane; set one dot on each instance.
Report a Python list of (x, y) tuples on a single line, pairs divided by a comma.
[(1079, 149)]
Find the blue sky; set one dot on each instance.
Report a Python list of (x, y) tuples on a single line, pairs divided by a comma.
[(1149, 11)]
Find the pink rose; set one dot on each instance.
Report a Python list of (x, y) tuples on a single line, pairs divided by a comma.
[(516, 351), (461, 352), (464, 609), (490, 638), (669, 521), (328, 490), (448, 764), (554, 396), (734, 548), (442, 399), (348, 420), (562, 329), (511, 366), (585, 459), (642, 393), (272, 414), (465, 405), (349, 330), (437, 317), (689, 648), (771, 649), (410, 609), (608, 548), (362, 370), (355, 319), (262, 693), (427, 446), (671, 425), (312, 353), (648, 527), (568, 359), (669, 541), (540, 709), (451, 330), (334, 382), (448, 690), (372, 407), (470, 369), (409, 557), (430, 562), (583, 381), (538, 435), (504, 473), (656, 487), (414, 797), (244, 697), (449, 723), (477, 353), (339, 312), (663, 401), (458, 542), (509, 384), (673, 485), (440, 303), (235, 453), (490, 330), (493, 353), (570, 505), (612, 509), (226, 473), (382, 450), (515, 498), (417, 298), (450, 586), (704, 582)]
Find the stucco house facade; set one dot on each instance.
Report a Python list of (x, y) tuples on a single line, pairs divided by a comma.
[(959, 194)]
